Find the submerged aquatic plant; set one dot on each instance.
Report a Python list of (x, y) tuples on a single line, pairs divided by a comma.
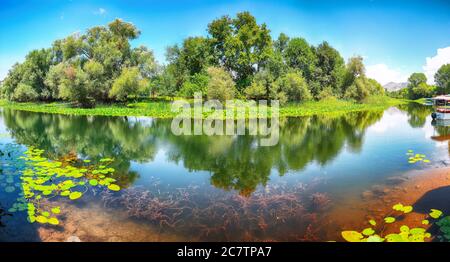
[(43, 179), (406, 234), (444, 228)]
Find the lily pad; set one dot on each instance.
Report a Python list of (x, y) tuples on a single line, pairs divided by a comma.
[(389, 220), (53, 221), (113, 187), (435, 213), (75, 195), (368, 231), (93, 182), (352, 236), (41, 219)]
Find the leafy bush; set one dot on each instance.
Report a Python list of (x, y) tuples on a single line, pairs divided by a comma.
[(359, 90), (220, 86), (24, 92), (291, 87), (127, 84), (196, 83)]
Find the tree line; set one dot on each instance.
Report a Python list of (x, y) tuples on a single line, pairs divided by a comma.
[(418, 87), (236, 59)]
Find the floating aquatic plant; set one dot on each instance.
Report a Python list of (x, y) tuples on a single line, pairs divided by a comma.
[(414, 158), (406, 234), (42, 178)]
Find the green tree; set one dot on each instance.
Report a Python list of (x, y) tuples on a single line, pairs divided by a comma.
[(261, 85), (354, 69), (291, 87), (24, 93), (240, 45), (128, 84), (423, 90), (329, 70), (73, 86), (358, 90), (442, 79), (414, 80), (196, 83), (375, 88), (299, 55), (221, 85)]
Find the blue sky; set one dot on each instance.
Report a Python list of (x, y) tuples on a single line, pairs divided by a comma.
[(394, 37)]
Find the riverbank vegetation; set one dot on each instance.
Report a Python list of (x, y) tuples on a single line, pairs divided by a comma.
[(162, 108), (236, 59), (418, 88)]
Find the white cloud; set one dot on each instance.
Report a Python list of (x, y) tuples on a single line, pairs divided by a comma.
[(434, 63), (383, 74), (100, 11)]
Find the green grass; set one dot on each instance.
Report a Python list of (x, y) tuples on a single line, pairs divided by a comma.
[(162, 108)]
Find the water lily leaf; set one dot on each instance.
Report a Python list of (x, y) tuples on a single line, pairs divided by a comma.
[(375, 238), (65, 193), (389, 220), (41, 219), (45, 214), (394, 238), (56, 210), (93, 182), (368, 231), (114, 187), (417, 231), (372, 222), (75, 195), (352, 236), (53, 221), (425, 222), (404, 228), (407, 209), (435, 213), (397, 207)]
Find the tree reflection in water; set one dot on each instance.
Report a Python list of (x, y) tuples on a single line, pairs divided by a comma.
[(235, 162)]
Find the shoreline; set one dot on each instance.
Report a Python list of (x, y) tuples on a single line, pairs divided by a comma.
[(162, 109), (423, 189)]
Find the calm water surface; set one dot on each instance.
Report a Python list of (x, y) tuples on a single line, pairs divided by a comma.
[(213, 188)]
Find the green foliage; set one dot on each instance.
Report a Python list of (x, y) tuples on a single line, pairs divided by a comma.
[(415, 79), (261, 85), (330, 69), (299, 55), (162, 108), (196, 83), (24, 92), (418, 87), (42, 179), (406, 234), (127, 84), (240, 45), (220, 86), (95, 66), (442, 79), (291, 87), (81, 68), (359, 90)]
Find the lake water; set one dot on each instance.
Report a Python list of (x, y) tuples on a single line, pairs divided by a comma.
[(218, 188)]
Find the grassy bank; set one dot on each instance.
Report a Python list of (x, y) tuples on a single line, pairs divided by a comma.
[(162, 109)]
